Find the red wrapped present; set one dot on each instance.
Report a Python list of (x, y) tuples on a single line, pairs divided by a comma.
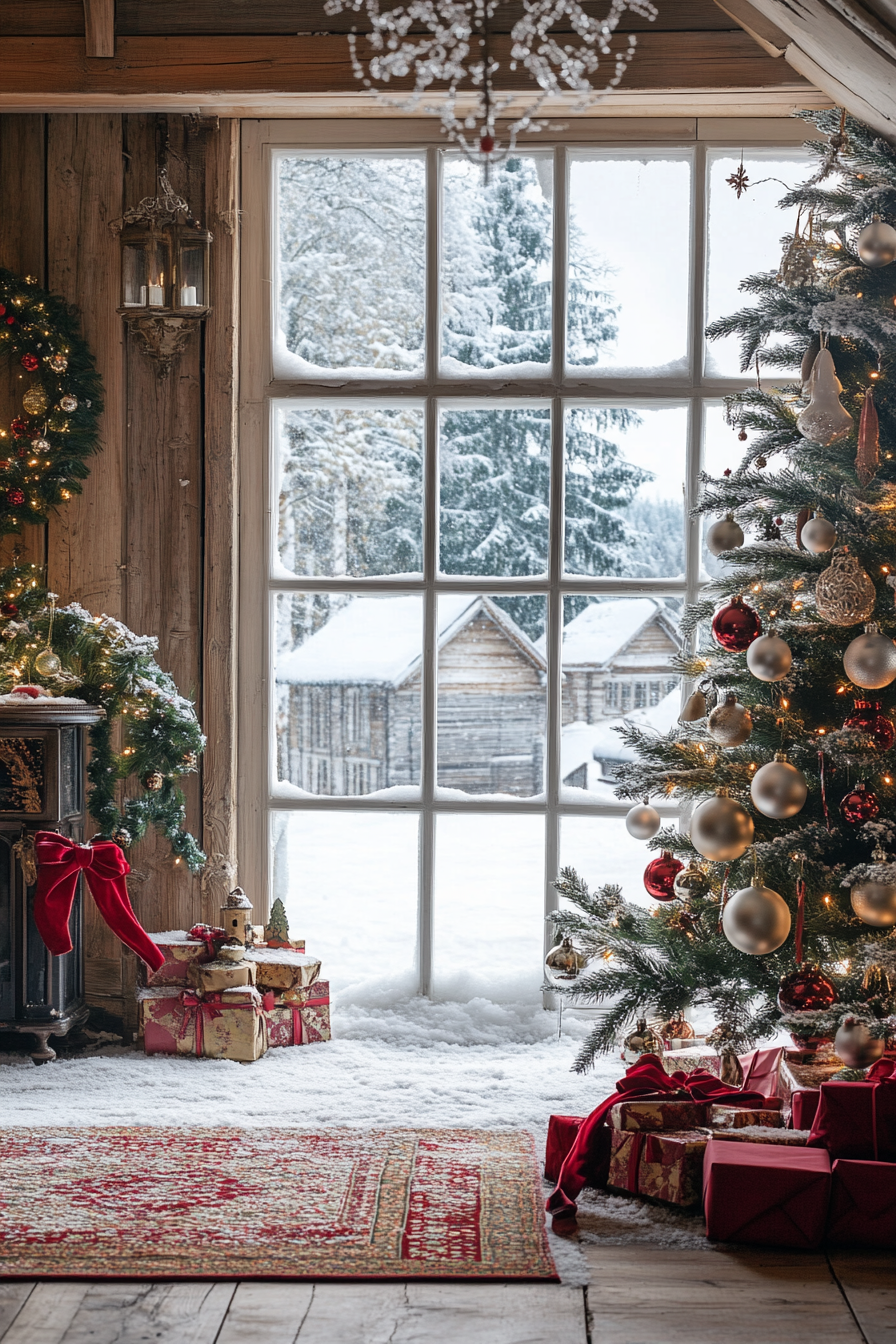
[(858, 1120), (863, 1204), (562, 1131), (658, 1164), (683, 1114), (228, 1024), (770, 1195), (299, 1016), (180, 952), (736, 1117), (803, 1107), (761, 1069), (161, 1017)]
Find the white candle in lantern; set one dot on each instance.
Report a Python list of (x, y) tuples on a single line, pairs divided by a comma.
[(156, 296), (188, 296)]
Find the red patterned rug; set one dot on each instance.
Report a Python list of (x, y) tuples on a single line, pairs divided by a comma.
[(271, 1203)]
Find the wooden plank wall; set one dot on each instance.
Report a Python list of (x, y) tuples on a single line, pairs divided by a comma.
[(151, 541)]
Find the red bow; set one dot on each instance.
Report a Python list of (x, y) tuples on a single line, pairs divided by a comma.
[(644, 1081), (59, 862), (212, 1005)]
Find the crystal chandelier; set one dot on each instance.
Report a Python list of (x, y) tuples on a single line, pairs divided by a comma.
[(457, 48)]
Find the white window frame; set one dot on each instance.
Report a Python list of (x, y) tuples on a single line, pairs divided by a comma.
[(263, 140)]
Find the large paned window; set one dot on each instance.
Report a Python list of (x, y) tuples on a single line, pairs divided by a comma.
[(474, 421)]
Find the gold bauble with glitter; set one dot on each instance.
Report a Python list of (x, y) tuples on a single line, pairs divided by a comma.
[(844, 594), (35, 401)]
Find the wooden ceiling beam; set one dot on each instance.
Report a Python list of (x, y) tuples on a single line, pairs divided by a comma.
[(99, 28), (317, 64)]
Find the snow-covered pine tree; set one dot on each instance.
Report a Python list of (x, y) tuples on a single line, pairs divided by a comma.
[(676, 956)]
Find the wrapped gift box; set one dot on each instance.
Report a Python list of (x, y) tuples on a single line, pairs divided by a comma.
[(661, 1165), (795, 1138), (161, 1022), (180, 952), (299, 1016), (793, 1075), (863, 1204), (657, 1115), (857, 1121), (229, 1024), (736, 1117), (804, 1106), (283, 968), (688, 1061), (767, 1195), (212, 977)]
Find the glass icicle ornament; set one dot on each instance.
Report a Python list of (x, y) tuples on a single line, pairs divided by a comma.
[(868, 451), (449, 43), (824, 420)]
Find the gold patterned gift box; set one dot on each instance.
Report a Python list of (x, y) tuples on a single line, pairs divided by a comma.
[(180, 953), (795, 1138), (299, 1016), (653, 1115), (662, 1165), (213, 977), (736, 1117), (692, 1059), (161, 1017), (224, 1024), (281, 968)]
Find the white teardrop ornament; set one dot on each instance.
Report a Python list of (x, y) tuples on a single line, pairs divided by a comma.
[(824, 420)]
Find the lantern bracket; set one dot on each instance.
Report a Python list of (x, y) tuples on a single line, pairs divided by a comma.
[(163, 338)]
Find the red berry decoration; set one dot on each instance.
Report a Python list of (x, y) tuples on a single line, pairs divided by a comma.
[(487, 144), (868, 717), (860, 805), (15, 496), (19, 427), (8, 609), (30, 362), (9, 321), (735, 626), (660, 875), (2, 309), (805, 990)]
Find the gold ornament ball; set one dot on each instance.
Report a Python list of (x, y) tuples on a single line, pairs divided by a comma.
[(642, 1041), (877, 244), (870, 660), (154, 781), (874, 903), (730, 724), (47, 663), (756, 920), (68, 403), (855, 1045), (721, 830), (778, 789), (35, 401), (769, 658), (844, 594)]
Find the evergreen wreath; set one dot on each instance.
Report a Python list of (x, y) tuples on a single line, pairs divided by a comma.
[(107, 665), (42, 451)]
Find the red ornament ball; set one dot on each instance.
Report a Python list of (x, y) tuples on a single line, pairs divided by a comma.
[(868, 717), (805, 990), (735, 626), (8, 609), (487, 144), (2, 309), (10, 320), (660, 875), (859, 805), (19, 427), (15, 496), (30, 362)]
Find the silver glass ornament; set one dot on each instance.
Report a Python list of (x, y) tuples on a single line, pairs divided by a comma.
[(870, 660), (730, 724), (721, 830), (642, 821), (818, 535), (855, 1045), (874, 903), (563, 964), (877, 244), (47, 663), (756, 920), (725, 535), (692, 881), (769, 658), (778, 789)]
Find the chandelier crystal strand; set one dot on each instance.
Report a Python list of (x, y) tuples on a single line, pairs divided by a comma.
[(456, 50)]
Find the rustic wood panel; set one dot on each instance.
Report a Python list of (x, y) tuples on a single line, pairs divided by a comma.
[(321, 64), (163, 507), (221, 518), (146, 17), (84, 550), (22, 249), (99, 27)]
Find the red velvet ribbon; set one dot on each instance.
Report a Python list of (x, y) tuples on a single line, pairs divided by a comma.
[(636, 1148), (208, 934), (644, 1081), (800, 919), (59, 863)]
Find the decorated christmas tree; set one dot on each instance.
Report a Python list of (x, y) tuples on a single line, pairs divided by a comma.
[(776, 894)]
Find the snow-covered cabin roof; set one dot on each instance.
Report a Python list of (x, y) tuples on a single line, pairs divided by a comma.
[(379, 640), (599, 633)]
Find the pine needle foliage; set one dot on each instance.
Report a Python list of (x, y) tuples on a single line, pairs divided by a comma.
[(150, 732), (675, 956)]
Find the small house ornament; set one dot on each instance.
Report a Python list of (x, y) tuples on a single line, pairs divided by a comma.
[(236, 917)]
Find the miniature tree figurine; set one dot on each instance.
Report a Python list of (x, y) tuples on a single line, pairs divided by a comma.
[(276, 931)]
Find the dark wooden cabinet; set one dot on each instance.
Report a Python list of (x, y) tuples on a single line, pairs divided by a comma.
[(42, 758)]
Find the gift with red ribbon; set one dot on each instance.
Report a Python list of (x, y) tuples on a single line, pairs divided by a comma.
[(211, 936), (659, 1164), (225, 1024), (587, 1161), (301, 1017), (858, 1120), (60, 862)]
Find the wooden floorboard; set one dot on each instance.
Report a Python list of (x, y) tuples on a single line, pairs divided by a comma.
[(266, 1313), (656, 1295), (868, 1281), (13, 1297), (123, 1312)]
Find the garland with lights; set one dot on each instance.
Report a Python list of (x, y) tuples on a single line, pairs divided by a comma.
[(43, 449), (73, 653), (776, 896)]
